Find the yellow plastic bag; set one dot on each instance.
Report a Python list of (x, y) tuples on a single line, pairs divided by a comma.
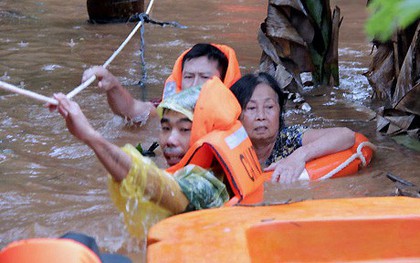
[(139, 195)]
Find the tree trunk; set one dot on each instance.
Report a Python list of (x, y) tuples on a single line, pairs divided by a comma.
[(113, 11)]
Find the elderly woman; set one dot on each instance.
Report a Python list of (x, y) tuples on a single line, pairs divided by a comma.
[(280, 148)]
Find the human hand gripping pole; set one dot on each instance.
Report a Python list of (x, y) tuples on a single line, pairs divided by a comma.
[(76, 121), (74, 92)]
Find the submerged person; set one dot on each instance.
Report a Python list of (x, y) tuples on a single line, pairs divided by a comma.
[(282, 149), (195, 66), (210, 154)]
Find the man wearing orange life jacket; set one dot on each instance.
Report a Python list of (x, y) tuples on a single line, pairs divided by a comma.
[(218, 139), (195, 66), (214, 141), (185, 74)]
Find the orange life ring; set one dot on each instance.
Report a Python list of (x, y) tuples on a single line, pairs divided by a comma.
[(342, 163), (339, 164)]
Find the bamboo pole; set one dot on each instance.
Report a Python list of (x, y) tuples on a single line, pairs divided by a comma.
[(27, 93), (39, 97)]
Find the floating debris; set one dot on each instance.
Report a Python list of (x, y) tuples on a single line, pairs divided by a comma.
[(71, 43), (398, 179), (404, 187), (23, 44), (306, 107), (51, 67)]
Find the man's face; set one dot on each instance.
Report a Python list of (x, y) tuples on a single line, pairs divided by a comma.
[(198, 70), (174, 136)]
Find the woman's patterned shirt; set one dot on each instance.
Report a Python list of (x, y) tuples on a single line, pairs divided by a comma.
[(288, 140)]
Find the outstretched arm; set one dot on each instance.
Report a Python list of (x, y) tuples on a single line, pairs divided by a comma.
[(119, 99), (326, 141), (160, 187), (315, 143), (116, 161)]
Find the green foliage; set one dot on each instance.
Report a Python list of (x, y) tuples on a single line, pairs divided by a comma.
[(389, 15), (139, 148), (408, 142), (149, 152)]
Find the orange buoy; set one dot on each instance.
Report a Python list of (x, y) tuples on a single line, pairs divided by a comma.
[(373, 229), (47, 250), (338, 164), (113, 11), (342, 163)]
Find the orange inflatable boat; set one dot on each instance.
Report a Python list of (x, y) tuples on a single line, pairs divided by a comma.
[(374, 229)]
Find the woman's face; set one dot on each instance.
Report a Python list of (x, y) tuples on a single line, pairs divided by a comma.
[(261, 115)]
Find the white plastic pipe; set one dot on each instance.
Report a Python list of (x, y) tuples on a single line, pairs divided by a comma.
[(27, 93)]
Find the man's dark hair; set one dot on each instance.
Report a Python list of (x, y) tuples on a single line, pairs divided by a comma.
[(245, 86), (212, 53)]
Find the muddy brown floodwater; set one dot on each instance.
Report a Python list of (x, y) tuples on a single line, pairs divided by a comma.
[(50, 183)]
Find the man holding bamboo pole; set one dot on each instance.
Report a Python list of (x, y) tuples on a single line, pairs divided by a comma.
[(192, 68), (211, 159)]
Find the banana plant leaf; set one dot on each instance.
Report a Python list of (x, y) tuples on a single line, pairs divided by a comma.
[(410, 143), (297, 36), (411, 101), (394, 74), (381, 74), (290, 3), (407, 92), (278, 26)]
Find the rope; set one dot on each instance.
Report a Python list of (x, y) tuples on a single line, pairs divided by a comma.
[(358, 154), (142, 82), (147, 19), (144, 18), (85, 84)]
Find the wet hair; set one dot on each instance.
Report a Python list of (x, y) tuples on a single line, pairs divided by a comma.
[(245, 87), (212, 53)]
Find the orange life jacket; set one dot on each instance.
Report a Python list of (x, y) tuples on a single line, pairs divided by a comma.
[(217, 134), (41, 250), (173, 82)]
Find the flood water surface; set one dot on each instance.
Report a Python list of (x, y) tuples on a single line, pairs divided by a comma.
[(50, 183)]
